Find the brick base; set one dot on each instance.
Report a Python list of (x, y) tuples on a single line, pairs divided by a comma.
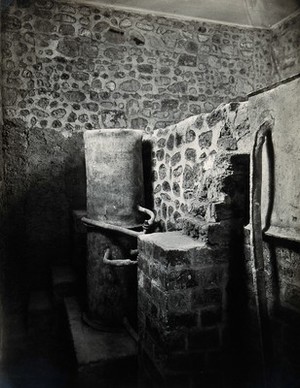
[(181, 305)]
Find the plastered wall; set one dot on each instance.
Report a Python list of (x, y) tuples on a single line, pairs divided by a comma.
[(286, 47)]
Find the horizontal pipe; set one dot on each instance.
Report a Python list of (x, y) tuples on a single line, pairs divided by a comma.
[(118, 262), (114, 228)]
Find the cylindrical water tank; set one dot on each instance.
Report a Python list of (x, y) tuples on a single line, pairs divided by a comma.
[(114, 190), (114, 175)]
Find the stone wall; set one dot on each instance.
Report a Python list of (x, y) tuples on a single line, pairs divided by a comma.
[(190, 164), (192, 293), (286, 47), (107, 68), (191, 289), (69, 68)]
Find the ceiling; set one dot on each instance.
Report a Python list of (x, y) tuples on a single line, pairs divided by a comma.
[(258, 13)]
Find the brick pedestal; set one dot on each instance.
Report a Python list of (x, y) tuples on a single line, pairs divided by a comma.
[(181, 305)]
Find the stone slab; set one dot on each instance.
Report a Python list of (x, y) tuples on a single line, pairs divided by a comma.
[(96, 347), (172, 241)]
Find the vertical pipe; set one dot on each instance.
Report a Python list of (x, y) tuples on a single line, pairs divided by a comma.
[(264, 133)]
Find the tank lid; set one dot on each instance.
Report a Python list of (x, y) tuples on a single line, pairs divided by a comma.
[(113, 132)]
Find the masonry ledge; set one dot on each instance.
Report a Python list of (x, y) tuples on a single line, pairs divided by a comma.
[(172, 241)]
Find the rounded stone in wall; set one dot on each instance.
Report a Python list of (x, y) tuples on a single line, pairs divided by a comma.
[(190, 136), (130, 85), (162, 171), (164, 210), (66, 29), (89, 50), (24, 112), (96, 84), (170, 142), (165, 196), (125, 23), (205, 139), (64, 18), (157, 189), (58, 113), (161, 142), (190, 154), (176, 158), (139, 123), (72, 117), (160, 154), (75, 96), (176, 189), (170, 210), (188, 178), (39, 113), (56, 124), (114, 53), (166, 186), (176, 215), (43, 123), (68, 47), (101, 26), (84, 21), (83, 118), (44, 4), (110, 85), (157, 201)]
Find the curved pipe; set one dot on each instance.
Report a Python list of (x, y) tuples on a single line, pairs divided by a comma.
[(149, 213), (262, 135), (116, 263), (114, 228)]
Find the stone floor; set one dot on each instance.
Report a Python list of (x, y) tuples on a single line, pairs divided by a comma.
[(43, 357)]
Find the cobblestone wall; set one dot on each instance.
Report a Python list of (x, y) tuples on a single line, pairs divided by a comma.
[(190, 166), (69, 68), (73, 67)]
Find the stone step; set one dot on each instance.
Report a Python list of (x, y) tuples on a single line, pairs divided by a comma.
[(41, 314), (63, 282), (100, 355), (211, 233)]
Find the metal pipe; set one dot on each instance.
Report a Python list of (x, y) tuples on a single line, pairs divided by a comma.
[(118, 262), (149, 213), (114, 228), (261, 135)]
